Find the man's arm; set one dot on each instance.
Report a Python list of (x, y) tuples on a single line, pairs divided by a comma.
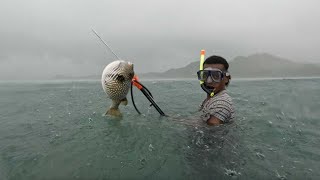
[(213, 121)]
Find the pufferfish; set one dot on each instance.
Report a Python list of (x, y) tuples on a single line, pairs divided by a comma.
[(116, 81)]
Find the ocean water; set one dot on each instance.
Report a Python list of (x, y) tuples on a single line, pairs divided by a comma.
[(55, 130)]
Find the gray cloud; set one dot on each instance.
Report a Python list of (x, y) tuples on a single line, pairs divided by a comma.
[(43, 38)]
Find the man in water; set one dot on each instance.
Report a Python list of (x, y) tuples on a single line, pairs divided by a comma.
[(217, 108)]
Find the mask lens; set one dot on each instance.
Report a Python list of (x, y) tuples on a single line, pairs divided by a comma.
[(216, 76), (202, 75)]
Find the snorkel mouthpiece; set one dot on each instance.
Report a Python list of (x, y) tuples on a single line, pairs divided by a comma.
[(202, 84)]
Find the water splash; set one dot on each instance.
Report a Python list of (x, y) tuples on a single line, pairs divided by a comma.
[(260, 155), (232, 173), (151, 148), (282, 177)]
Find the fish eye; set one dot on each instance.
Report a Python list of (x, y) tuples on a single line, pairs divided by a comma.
[(120, 78)]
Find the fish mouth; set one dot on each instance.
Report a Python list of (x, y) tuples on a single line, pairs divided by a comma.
[(130, 64)]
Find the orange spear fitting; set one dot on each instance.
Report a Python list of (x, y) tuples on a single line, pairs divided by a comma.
[(135, 81)]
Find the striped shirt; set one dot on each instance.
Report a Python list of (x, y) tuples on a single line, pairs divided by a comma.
[(219, 106)]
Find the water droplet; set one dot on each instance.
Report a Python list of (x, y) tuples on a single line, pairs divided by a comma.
[(299, 132), (260, 155), (142, 161), (232, 173), (280, 176), (271, 149), (150, 147)]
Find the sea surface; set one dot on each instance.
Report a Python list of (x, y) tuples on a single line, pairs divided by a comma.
[(56, 130)]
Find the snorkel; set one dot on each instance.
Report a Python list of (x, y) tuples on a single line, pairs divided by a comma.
[(202, 84)]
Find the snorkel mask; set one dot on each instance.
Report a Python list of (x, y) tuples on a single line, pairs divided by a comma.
[(210, 75)]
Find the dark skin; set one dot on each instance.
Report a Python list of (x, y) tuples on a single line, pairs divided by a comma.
[(213, 121)]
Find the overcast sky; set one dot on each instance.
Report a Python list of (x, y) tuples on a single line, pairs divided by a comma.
[(43, 38)]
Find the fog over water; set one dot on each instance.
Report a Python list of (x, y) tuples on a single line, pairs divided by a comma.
[(42, 39)]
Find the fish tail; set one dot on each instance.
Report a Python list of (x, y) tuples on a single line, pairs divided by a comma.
[(114, 112)]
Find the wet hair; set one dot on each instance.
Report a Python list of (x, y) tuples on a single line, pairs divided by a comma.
[(217, 60)]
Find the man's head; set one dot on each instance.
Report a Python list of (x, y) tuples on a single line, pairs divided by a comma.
[(216, 63)]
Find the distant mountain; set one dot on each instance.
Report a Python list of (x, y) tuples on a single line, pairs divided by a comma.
[(266, 65), (189, 71), (253, 66)]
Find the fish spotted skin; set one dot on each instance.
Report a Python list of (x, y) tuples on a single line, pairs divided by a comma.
[(116, 80)]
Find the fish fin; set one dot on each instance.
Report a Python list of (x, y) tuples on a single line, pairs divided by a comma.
[(124, 101), (114, 112)]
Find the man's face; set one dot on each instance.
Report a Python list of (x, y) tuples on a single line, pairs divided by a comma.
[(216, 86)]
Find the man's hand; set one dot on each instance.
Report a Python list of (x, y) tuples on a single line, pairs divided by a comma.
[(213, 121)]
